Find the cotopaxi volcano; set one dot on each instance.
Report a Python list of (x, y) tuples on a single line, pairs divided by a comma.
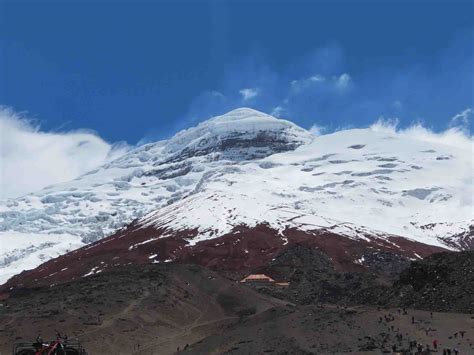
[(235, 190)]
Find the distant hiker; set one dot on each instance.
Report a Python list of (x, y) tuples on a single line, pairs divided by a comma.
[(435, 344), (448, 351), (412, 319), (456, 334), (380, 319), (462, 333), (394, 348), (456, 351)]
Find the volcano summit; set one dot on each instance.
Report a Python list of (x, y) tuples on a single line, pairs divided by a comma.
[(237, 189)]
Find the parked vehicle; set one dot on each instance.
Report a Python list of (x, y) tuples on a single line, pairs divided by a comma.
[(61, 346)]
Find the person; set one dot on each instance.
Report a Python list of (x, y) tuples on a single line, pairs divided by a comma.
[(456, 335), (462, 333), (435, 344), (394, 348), (456, 351), (431, 314), (412, 319)]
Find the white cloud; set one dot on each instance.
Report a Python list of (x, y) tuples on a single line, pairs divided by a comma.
[(248, 93), (217, 94), (317, 78), (461, 120), (317, 130), (388, 125), (343, 81), (31, 159), (454, 136), (277, 111), (301, 84)]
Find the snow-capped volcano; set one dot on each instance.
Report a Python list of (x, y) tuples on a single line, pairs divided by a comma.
[(247, 168)]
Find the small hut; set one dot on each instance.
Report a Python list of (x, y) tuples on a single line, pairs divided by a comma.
[(257, 279)]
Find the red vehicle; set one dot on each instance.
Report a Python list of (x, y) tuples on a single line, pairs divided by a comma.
[(60, 346)]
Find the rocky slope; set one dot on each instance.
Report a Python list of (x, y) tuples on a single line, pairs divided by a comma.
[(243, 170), (170, 308), (154, 308), (442, 282)]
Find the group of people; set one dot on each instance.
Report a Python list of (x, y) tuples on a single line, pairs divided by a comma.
[(414, 346)]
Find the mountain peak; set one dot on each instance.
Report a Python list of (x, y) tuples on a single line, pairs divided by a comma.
[(243, 113), (240, 129)]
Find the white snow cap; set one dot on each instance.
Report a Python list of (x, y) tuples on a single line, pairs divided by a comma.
[(247, 168), (242, 123)]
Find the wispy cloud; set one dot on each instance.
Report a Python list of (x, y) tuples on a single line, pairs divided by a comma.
[(343, 81), (321, 84), (248, 93), (462, 119), (454, 136), (31, 159), (317, 130)]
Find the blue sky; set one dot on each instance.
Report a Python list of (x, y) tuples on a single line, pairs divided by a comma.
[(135, 71)]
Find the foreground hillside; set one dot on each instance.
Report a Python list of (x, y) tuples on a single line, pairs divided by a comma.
[(442, 282), (169, 308), (246, 169), (117, 312)]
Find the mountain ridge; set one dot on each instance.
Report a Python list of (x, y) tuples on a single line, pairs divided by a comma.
[(227, 173)]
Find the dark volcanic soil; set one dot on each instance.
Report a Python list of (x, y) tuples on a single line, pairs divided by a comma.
[(150, 306), (326, 329), (440, 282), (158, 308)]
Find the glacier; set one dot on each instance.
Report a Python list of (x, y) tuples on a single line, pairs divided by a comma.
[(246, 168)]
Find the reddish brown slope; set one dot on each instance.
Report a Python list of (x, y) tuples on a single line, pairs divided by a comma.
[(242, 250)]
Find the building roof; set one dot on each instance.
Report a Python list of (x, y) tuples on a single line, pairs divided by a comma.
[(257, 277)]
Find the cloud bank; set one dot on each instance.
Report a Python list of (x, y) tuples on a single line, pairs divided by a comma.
[(457, 135), (31, 159)]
